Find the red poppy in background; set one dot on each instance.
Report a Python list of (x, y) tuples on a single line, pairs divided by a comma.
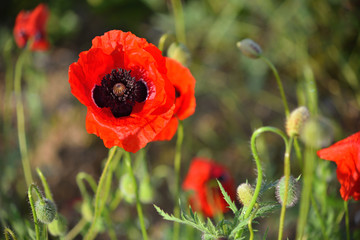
[(30, 25), (185, 102), (206, 196), (122, 80), (346, 155)]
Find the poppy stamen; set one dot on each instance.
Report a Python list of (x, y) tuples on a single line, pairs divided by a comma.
[(119, 91)]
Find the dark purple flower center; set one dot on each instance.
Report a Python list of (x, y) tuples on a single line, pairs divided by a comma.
[(119, 91)]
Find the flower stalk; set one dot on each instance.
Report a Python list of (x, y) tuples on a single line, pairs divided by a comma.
[(138, 203), (21, 119), (258, 163), (286, 191), (101, 195), (179, 20), (347, 220), (177, 165)]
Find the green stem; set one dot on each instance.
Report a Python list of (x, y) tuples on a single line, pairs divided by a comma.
[(310, 160), (79, 180), (280, 85), (138, 203), (101, 195), (179, 20), (250, 223), (45, 185), (162, 41), (347, 220), (258, 164), (322, 224), (9, 78), (31, 200), (8, 231), (177, 165), (287, 178), (76, 230), (21, 119)]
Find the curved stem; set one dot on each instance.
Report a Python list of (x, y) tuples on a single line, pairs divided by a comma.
[(347, 220), (76, 230), (101, 195), (8, 231), (179, 20), (138, 204), (258, 164), (280, 85), (177, 165), (31, 200), (79, 180), (21, 119), (287, 178)]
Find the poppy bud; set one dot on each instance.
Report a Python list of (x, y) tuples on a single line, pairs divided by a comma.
[(127, 188), (296, 120), (45, 210), (292, 196), (180, 53), (146, 191), (58, 227), (245, 193), (249, 48)]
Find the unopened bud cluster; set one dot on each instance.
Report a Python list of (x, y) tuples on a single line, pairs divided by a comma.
[(293, 192), (245, 193), (249, 48), (296, 120)]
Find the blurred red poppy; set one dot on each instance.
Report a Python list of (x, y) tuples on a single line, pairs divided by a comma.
[(346, 155), (206, 196), (30, 25), (185, 102), (122, 80)]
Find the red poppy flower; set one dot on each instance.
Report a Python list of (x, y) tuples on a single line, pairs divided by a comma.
[(31, 25), (346, 155), (185, 103), (122, 80), (206, 195)]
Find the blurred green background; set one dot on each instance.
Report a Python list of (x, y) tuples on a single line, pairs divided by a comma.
[(309, 39)]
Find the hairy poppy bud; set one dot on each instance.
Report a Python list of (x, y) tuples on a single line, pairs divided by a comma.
[(58, 227), (245, 193), (180, 53), (296, 120), (249, 48), (127, 188), (45, 210), (292, 196)]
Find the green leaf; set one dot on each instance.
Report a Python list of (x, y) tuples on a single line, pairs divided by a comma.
[(227, 198)]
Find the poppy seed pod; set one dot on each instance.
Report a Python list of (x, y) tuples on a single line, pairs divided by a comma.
[(296, 121), (45, 210), (58, 227), (293, 191), (249, 48), (245, 193), (317, 132)]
